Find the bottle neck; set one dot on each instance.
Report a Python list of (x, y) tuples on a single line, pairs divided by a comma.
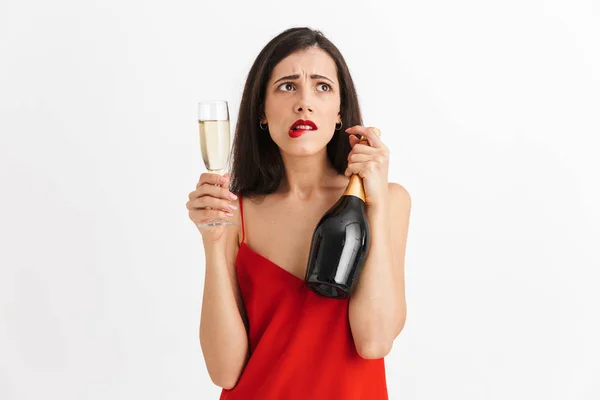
[(355, 188)]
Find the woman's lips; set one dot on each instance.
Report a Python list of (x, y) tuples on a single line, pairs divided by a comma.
[(302, 126), (295, 133)]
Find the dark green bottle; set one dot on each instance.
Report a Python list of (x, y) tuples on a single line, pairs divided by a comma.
[(339, 245)]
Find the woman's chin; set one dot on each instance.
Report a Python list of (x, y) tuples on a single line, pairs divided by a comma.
[(303, 149)]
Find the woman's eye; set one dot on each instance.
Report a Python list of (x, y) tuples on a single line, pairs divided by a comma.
[(325, 86), (286, 87)]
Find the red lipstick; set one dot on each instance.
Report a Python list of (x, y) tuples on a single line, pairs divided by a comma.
[(301, 126)]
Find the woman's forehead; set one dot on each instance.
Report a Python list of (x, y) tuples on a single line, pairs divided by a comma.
[(306, 62)]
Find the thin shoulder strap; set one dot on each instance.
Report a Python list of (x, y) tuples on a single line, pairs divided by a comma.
[(242, 217)]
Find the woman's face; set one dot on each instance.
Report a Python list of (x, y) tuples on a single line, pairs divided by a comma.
[(303, 86)]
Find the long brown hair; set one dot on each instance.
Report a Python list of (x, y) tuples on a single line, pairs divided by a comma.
[(257, 166)]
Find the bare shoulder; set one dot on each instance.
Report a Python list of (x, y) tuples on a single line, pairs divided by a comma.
[(400, 200)]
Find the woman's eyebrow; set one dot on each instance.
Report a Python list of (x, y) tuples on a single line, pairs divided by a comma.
[(296, 76)]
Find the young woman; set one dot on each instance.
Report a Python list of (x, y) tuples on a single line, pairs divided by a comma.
[(263, 333)]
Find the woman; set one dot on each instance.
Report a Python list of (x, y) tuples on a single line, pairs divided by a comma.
[(263, 334)]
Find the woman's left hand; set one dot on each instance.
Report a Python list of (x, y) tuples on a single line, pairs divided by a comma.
[(371, 163)]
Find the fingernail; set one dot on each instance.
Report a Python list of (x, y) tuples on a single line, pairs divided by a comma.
[(229, 214), (232, 196), (223, 179), (231, 206)]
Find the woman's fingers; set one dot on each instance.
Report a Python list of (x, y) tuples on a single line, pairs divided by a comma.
[(215, 191), (365, 149), (210, 196), (213, 179), (361, 169), (213, 203), (374, 140), (358, 158)]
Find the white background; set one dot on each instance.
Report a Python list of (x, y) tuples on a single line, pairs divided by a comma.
[(490, 109)]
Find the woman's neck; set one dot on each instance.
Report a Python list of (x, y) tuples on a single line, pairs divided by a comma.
[(307, 177)]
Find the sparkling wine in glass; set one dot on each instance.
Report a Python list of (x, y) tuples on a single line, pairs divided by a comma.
[(213, 123)]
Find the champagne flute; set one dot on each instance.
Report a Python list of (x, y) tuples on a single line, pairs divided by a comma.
[(213, 121)]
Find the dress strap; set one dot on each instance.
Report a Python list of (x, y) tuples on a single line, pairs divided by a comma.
[(242, 218)]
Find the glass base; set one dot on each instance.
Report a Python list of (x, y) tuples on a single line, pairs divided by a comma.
[(216, 222)]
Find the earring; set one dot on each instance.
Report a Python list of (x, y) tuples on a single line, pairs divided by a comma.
[(261, 126), (341, 124)]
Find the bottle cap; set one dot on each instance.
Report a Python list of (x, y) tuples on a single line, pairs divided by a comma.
[(376, 131)]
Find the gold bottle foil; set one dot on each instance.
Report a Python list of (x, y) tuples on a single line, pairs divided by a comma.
[(355, 186)]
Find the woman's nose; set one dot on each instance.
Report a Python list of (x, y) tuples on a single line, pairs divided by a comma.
[(304, 107), (304, 102)]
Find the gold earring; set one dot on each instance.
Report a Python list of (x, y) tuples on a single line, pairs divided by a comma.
[(341, 124)]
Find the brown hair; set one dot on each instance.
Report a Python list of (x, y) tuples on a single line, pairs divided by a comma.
[(257, 166)]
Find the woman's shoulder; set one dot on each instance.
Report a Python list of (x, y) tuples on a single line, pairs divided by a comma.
[(398, 191), (399, 198)]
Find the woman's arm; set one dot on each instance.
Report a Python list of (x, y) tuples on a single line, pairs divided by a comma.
[(223, 331), (378, 306)]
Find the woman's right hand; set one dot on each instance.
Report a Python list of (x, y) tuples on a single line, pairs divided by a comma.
[(210, 201)]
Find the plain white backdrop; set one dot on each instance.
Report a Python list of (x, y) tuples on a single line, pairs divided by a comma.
[(491, 111)]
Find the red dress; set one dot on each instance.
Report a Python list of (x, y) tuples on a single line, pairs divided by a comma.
[(301, 344)]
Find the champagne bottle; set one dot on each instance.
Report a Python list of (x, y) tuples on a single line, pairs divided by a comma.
[(340, 244)]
